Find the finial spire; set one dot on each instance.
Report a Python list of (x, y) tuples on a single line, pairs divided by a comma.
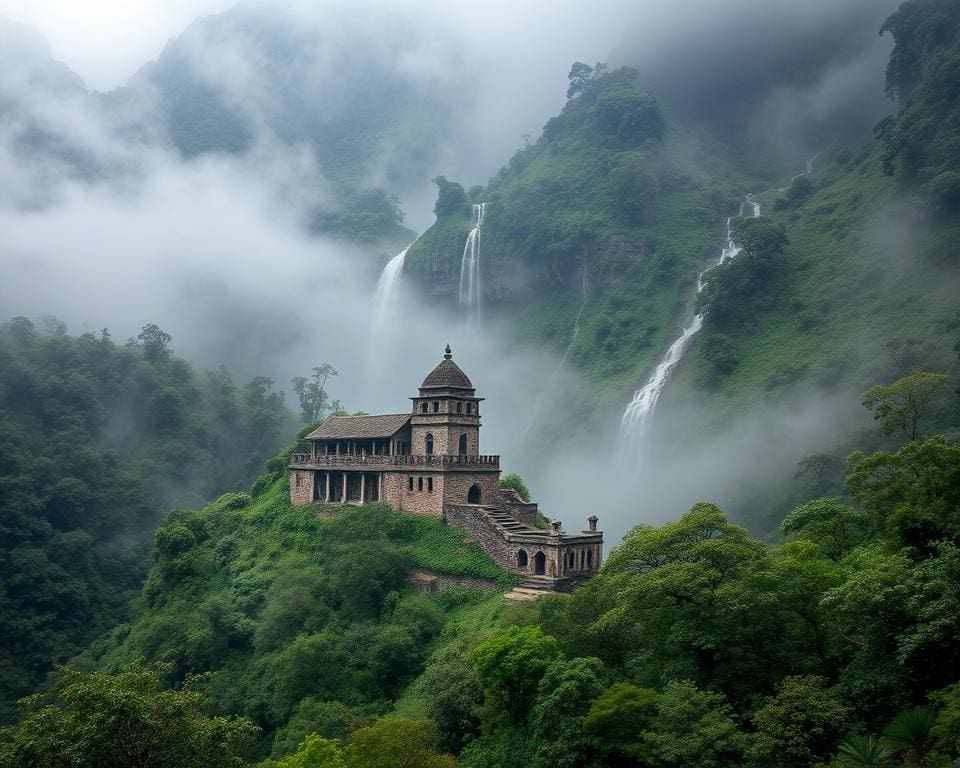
[(447, 354)]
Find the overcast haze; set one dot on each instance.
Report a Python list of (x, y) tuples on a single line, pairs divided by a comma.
[(214, 248)]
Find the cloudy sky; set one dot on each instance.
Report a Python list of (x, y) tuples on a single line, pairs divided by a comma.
[(213, 248)]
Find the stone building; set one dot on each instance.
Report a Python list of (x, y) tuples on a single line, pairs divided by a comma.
[(428, 461)]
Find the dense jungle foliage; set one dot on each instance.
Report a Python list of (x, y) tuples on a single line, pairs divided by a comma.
[(696, 644), (287, 637), (98, 440)]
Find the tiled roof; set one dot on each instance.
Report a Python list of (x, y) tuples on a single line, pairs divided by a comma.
[(351, 427), (447, 375)]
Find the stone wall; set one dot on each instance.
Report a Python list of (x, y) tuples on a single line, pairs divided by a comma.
[(429, 582), (396, 487), (522, 511), (489, 536), (457, 486), (446, 438), (301, 486)]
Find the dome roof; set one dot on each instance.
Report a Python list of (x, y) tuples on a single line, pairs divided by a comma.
[(447, 375)]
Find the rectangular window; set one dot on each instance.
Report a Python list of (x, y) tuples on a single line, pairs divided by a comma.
[(430, 485), (469, 407), (459, 407), (297, 481), (410, 482), (419, 483), (436, 407)]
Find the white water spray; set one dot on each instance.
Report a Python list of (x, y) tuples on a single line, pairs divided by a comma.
[(470, 269), (637, 415), (388, 289), (384, 318)]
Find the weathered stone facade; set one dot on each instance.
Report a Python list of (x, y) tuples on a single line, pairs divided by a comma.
[(429, 462)]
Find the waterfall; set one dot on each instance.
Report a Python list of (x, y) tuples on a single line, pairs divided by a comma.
[(641, 407), (388, 288), (563, 360), (470, 268), (384, 319)]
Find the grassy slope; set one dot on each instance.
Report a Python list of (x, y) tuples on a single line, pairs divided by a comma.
[(860, 270), (209, 602)]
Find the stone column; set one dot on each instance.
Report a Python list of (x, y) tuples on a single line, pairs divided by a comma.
[(363, 487), (326, 486), (343, 492), (380, 486)]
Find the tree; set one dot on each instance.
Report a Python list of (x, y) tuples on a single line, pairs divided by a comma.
[(617, 719), (452, 693), (396, 743), (823, 471), (315, 752), (946, 730), (914, 493), (799, 726), (910, 735), (510, 664), (901, 406), (514, 482), (862, 752), (829, 523), (153, 342), (556, 720), (694, 729), (451, 198), (581, 75), (129, 719), (314, 401)]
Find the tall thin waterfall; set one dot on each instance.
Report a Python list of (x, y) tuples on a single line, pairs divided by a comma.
[(383, 325), (388, 288), (637, 415), (470, 294)]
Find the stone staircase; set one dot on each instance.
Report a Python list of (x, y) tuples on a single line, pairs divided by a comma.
[(505, 520), (531, 588)]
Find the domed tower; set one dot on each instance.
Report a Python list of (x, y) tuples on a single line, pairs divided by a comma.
[(446, 413)]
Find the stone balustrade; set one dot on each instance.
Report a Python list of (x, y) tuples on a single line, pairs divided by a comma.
[(443, 461)]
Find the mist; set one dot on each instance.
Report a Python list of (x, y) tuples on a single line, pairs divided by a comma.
[(117, 227)]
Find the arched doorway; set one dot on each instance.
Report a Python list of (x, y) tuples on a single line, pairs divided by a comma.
[(473, 495), (522, 559), (463, 444), (429, 442), (540, 563)]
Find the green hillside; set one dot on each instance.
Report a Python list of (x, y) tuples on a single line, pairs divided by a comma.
[(612, 191), (301, 612), (98, 440)]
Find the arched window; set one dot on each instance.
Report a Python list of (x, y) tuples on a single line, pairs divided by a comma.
[(459, 407), (522, 559), (469, 407), (463, 444), (429, 441), (423, 407), (473, 495), (436, 407)]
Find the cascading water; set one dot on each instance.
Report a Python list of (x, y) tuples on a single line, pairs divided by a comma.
[(641, 407), (386, 306), (388, 288), (470, 269)]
